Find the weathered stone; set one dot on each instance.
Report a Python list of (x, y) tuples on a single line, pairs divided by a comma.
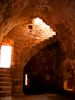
[(17, 15)]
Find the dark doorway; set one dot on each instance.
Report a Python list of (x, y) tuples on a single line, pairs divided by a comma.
[(42, 69)]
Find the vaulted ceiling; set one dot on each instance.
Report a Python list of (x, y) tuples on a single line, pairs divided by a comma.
[(58, 14)]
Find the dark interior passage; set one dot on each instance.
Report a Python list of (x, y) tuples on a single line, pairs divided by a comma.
[(43, 71)]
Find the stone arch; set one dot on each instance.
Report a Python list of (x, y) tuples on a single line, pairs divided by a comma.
[(26, 44), (22, 56), (37, 47), (49, 70), (50, 11)]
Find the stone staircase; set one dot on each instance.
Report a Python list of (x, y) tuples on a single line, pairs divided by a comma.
[(5, 82)]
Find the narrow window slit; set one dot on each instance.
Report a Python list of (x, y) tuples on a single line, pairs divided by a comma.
[(26, 79)]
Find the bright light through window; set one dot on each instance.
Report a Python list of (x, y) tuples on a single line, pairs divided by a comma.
[(5, 61), (25, 79), (46, 30)]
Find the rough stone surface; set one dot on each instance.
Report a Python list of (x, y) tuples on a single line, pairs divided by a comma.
[(60, 15), (24, 48)]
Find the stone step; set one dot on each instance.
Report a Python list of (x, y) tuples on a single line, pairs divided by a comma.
[(5, 79), (5, 75), (4, 72), (5, 69), (5, 83), (5, 93), (5, 88)]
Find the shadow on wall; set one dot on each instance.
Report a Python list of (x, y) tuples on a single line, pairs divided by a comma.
[(42, 71)]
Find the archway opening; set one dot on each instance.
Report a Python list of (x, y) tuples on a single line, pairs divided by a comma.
[(43, 71)]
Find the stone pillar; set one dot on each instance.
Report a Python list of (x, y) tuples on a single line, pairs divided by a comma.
[(17, 81)]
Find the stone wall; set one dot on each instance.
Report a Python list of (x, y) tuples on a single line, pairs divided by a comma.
[(59, 15), (26, 45)]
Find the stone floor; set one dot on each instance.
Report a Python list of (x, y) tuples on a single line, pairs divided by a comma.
[(40, 97)]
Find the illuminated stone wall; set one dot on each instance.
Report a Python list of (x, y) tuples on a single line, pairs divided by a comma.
[(26, 45)]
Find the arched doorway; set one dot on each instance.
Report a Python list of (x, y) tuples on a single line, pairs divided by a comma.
[(43, 70)]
